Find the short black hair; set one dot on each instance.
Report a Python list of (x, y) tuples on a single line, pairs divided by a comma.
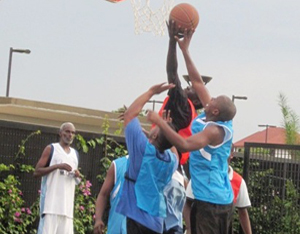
[(227, 108)]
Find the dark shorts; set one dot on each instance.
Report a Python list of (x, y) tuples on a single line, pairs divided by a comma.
[(134, 227), (177, 230), (208, 218)]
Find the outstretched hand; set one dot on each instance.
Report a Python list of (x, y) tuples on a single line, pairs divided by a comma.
[(173, 30), (159, 88), (184, 42), (166, 115), (153, 117)]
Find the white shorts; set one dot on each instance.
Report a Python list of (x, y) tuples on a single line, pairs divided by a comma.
[(55, 224), (189, 191)]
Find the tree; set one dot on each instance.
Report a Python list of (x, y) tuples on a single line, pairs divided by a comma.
[(290, 121)]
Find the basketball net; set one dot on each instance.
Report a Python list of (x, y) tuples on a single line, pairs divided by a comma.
[(149, 20)]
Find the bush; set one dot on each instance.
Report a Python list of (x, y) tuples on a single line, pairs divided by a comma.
[(14, 216), (271, 212), (84, 208)]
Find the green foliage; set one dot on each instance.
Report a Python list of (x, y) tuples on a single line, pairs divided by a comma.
[(4, 167), (14, 216), (84, 208), (26, 168), (237, 165), (260, 151), (120, 129), (112, 149), (278, 215), (81, 143), (290, 221), (84, 203), (105, 125), (271, 212), (290, 121), (21, 150)]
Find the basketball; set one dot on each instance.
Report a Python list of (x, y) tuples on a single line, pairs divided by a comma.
[(185, 16)]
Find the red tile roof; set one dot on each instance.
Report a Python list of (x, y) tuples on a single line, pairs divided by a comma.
[(274, 136)]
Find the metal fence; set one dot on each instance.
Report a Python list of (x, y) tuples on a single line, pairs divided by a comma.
[(272, 173), (267, 170)]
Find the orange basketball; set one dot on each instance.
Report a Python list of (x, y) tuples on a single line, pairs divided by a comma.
[(185, 16)]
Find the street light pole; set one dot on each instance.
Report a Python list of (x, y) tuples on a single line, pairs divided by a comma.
[(11, 50), (238, 97), (267, 126), (154, 101)]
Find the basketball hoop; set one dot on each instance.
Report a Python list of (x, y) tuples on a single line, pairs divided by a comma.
[(148, 19), (114, 1)]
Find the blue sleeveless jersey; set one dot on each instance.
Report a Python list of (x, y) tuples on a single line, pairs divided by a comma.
[(209, 166), (116, 221), (155, 173), (137, 142)]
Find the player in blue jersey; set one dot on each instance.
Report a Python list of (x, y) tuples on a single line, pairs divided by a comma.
[(111, 190), (150, 168), (210, 148)]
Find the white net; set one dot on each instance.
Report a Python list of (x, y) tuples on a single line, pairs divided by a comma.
[(149, 19)]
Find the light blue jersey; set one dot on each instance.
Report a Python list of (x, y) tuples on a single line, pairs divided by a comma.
[(128, 205), (209, 167), (155, 174), (116, 221)]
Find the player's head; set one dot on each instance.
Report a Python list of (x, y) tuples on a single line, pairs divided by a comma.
[(220, 108), (67, 133), (158, 139), (192, 95)]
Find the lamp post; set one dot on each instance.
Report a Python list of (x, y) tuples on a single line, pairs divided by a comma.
[(9, 65), (205, 79), (267, 126), (154, 101), (238, 97)]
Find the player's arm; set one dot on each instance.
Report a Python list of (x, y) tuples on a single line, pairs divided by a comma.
[(42, 167), (242, 203), (211, 135), (103, 198), (194, 75), (244, 220), (187, 215), (178, 102), (172, 64), (135, 108)]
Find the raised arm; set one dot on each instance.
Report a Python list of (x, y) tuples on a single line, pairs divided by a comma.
[(135, 108), (211, 135), (178, 104), (194, 75), (172, 64)]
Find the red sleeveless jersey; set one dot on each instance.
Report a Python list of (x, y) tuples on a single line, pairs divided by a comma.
[(185, 132), (236, 184)]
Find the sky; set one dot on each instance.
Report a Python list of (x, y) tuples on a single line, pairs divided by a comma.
[(85, 53)]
